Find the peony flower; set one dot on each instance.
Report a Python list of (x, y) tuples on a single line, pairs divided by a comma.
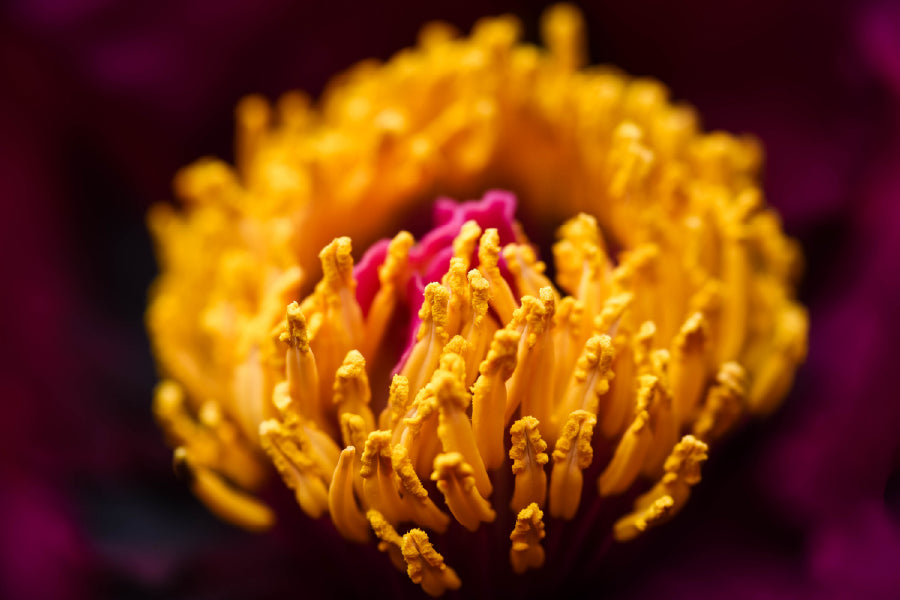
[(526, 401)]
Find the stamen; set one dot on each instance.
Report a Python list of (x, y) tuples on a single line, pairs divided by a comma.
[(688, 373), (527, 270), (345, 513), (572, 455), (455, 429), (631, 452), (528, 453), (458, 306), (465, 241), (377, 472), (489, 399), (302, 468), (415, 497), (455, 479), (724, 403), (425, 565), (589, 381), (418, 433), (389, 540), (531, 384), (392, 275), (225, 501), (526, 551), (480, 329), (338, 326), (668, 496), (774, 377), (354, 433), (351, 389), (501, 300), (432, 337), (398, 404)]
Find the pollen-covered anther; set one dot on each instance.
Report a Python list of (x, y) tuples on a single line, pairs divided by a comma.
[(671, 492), (526, 551), (572, 455), (501, 299), (455, 479), (418, 504), (528, 453), (425, 566), (351, 389)]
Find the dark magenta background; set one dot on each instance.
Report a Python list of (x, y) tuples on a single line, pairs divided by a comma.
[(100, 102)]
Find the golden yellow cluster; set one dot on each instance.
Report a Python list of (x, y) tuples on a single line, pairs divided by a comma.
[(648, 356)]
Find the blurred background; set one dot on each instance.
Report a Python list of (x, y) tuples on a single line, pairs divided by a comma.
[(102, 101)]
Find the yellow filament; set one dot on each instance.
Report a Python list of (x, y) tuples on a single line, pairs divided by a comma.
[(489, 399), (456, 481), (345, 514)]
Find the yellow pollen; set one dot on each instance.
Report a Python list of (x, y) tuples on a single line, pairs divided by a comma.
[(425, 565)]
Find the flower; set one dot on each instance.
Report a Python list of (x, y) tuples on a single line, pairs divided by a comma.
[(671, 318)]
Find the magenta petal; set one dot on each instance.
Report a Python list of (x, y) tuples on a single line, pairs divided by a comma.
[(366, 274)]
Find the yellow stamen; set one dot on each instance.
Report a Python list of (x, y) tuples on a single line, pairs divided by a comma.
[(528, 453), (392, 276), (432, 337), (455, 429), (302, 468), (377, 472), (631, 452), (455, 479), (415, 497), (425, 565), (501, 300), (345, 513), (526, 551), (225, 501), (398, 403), (572, 455), (668, 496), (724, 403), (688, 368), (481, 327), (300, 367), (389, 540), (351, 389), (527, 270), (531, 384), (489, 399), (589, 381)]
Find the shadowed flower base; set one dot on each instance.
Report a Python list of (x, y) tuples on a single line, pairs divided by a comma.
[(528, 417)]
